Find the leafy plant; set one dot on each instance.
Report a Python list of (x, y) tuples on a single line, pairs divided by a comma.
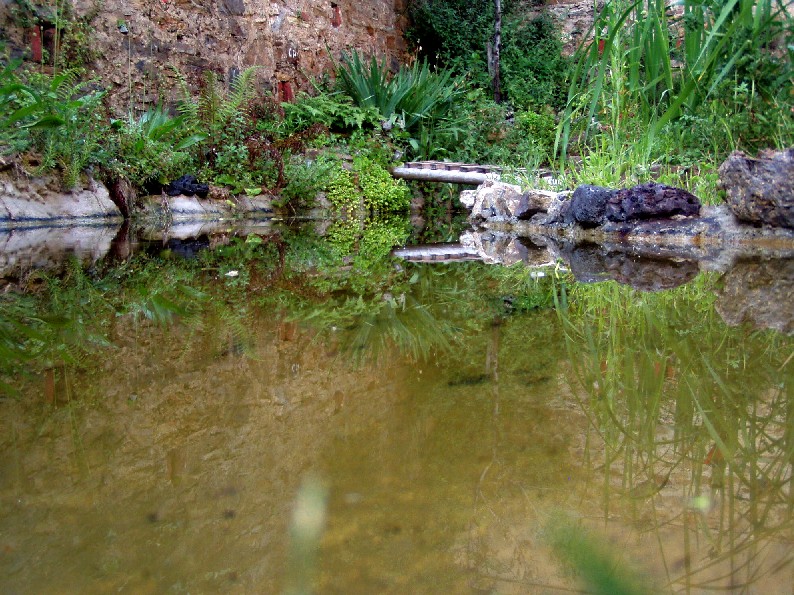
[(22, 108), (76, 142), (342, 190), (335, 111), (215, 112), (453, 33), (153, 147), (306, 179), (413, 97), (380, 190)]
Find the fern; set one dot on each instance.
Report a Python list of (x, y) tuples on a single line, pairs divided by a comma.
[(214, 109)]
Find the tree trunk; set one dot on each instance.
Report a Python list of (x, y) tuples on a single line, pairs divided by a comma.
[(497, 47)]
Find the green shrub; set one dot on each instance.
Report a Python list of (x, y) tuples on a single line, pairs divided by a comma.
[(534, 72), (152, 147), (453, 33), (380, 190), (305, 179), (539, 128)]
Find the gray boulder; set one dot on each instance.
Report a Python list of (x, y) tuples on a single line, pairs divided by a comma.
[(497, 200), (760, 190), (535, 201)]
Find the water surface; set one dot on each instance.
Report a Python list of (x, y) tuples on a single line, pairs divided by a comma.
[(455, 421)]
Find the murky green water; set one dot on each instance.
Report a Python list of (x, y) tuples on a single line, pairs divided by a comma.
[(452, 434)]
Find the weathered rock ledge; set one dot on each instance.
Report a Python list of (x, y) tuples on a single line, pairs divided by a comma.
[(180, 208), (29, 202), (38, 202)]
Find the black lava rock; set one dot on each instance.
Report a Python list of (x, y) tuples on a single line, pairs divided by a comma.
[(651, 201), (187, 185), (587, 206)]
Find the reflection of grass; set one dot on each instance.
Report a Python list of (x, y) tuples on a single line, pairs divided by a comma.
[(599, 567), (676, 395)]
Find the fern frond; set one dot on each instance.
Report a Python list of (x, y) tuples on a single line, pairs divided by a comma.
[(187, 106), (209, 101), (242, 92)]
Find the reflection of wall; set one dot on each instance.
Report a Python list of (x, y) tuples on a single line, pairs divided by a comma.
[(175, 464), (290, 40)]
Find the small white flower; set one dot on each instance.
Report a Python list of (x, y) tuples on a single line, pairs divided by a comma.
[(233, 274)]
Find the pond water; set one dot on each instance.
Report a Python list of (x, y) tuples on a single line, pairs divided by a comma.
[(253, 422)]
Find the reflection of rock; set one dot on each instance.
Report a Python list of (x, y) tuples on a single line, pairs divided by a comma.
[(503, 248), (761, 190), (49, 248), (592, 262), (759, 293)]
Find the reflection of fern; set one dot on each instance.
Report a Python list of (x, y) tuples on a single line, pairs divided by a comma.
[(215, 108)]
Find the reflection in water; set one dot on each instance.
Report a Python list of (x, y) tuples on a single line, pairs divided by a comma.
[(760, 293), (48, 248), (693, 422), (591, 262), (453, 414)]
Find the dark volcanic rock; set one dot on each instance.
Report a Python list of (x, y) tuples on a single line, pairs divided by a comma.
[(760, 190), (187, 185), (650, 201), (587, 206)]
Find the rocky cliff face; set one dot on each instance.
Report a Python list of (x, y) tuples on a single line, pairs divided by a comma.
[(290, 39)]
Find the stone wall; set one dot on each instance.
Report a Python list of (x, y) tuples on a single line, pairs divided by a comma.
[(289, 39)]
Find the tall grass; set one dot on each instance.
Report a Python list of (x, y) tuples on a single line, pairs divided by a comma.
[(626, 72)]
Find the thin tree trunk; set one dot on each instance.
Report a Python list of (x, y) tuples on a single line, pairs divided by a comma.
[(497, 47)]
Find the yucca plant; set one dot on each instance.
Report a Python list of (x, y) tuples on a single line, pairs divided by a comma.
[(413, 98)]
